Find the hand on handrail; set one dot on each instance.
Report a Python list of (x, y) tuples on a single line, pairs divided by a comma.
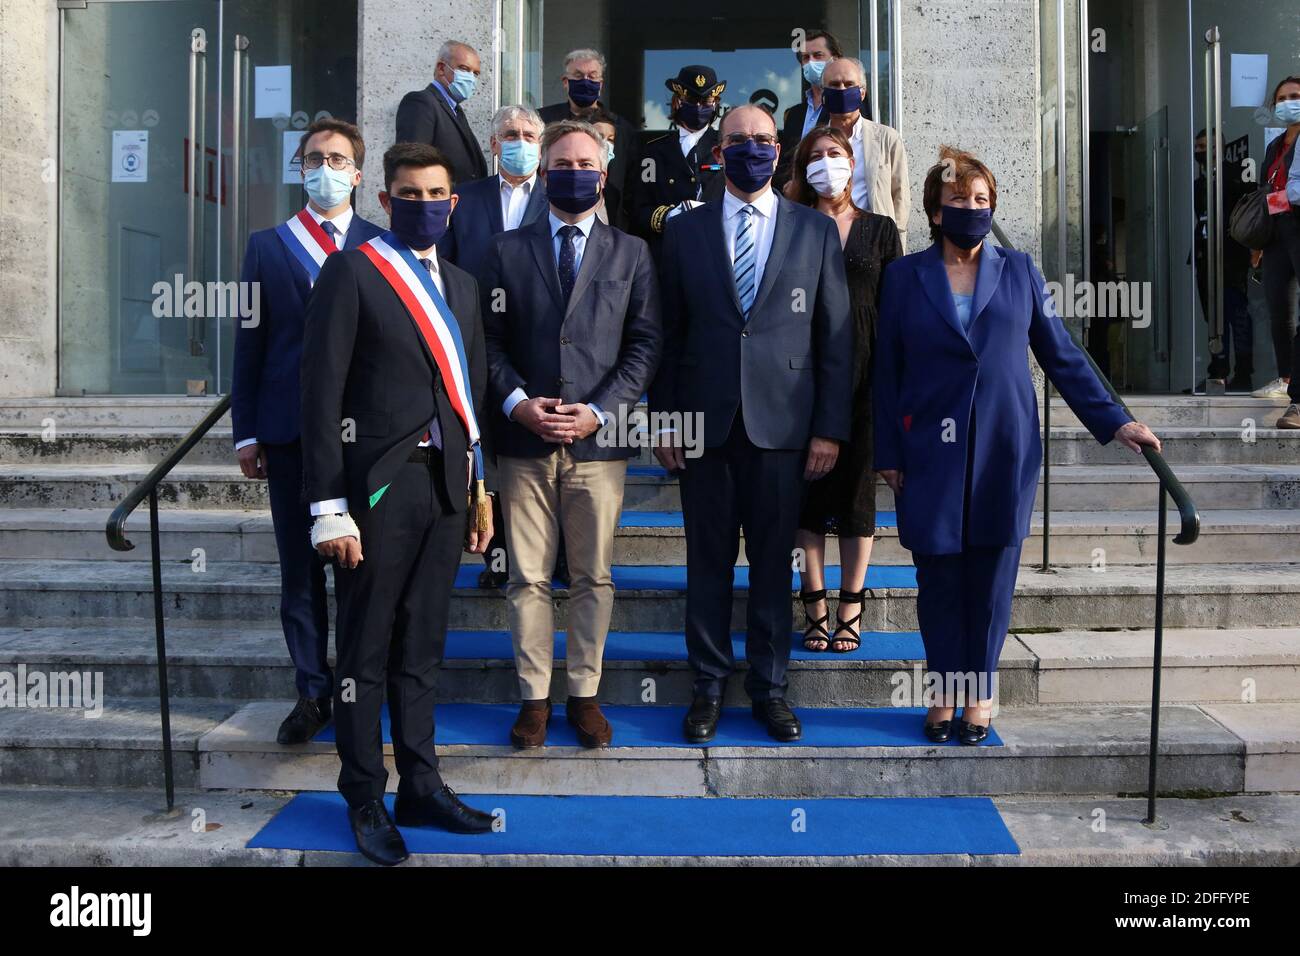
[(1133, 435)]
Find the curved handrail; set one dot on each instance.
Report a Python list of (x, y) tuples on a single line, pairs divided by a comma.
[(116, 527), (1189, 517)]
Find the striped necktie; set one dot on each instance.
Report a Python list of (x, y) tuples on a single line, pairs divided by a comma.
[(743, 265)]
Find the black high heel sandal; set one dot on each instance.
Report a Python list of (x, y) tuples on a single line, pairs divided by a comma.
[(809, 598), (849, 628)]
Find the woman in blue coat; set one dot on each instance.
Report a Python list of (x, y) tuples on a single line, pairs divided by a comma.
[(957, 434)]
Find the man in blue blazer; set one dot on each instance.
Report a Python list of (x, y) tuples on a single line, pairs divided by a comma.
[(515, 196), (264, 396), (434, 115), (573, 330), (759, 345)]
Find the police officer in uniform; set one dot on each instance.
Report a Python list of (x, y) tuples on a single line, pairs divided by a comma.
[(679, 182)]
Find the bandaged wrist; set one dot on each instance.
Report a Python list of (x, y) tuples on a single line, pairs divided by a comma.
[(329, 527)]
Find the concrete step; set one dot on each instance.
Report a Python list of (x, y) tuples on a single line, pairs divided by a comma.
[(1070, 667), (658, 537), (81, 827), (1224, 445), (1130, 487), (1117, 596), (1162, 411), (1208, 749)]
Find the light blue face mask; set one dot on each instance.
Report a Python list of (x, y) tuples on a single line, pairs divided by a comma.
[(519, 157), (1287, 112), (813, 70), (463, 86), (328, 187), (609, 152)]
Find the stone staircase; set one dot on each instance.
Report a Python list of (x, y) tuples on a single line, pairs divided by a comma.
[(1075, 671)]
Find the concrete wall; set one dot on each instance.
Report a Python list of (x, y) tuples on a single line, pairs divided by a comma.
[(28, 119), (970, 80), (399, 42)]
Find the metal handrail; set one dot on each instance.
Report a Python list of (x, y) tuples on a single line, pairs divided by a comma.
[(1189, 531), (115, 531)]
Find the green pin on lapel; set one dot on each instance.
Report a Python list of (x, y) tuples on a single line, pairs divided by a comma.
[(374, 499)]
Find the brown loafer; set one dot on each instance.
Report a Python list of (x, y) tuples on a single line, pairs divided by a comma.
[(585, 717), (529, 730)]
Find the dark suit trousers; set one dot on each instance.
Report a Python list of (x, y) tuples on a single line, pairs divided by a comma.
[(304, 605), (392, 628), (733, 487)]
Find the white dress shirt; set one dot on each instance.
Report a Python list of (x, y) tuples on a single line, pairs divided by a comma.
[(862, 176), (763, 223), (514, 200), (579, 247), (341, 222), (687, 140), (340, 505)]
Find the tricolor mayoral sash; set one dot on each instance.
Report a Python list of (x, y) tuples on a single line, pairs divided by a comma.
[(307, 242), (441, 333)]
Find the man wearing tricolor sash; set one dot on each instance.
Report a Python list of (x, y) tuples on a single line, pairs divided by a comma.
[(393, 376), (283, 264)]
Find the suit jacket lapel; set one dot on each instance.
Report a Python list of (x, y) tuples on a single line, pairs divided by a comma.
[(494, 204), (542, 245), (462, 124), (986, 280), (781, 230), (537, 204), (300, 278), (717, 239), (934, 280), (598, 244)]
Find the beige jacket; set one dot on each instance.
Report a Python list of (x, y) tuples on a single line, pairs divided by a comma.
[(882, 154)]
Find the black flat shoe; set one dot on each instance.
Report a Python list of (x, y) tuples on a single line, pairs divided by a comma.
[(973, 734), (701, 723), (442, 809), (377, 838), (939, 733), (308, 718), (777, 717)]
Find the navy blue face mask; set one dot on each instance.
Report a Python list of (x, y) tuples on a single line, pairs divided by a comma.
[(584, 92), (419, 223), (965, 228), (842, 101), (694, 116), (573, 190), (749, 165)]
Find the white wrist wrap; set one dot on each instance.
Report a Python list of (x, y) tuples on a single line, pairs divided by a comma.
[(329, 527)]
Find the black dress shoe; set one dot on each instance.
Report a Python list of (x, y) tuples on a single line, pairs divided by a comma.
[(488, 579), (441, 809), (701, 723), (308, 717), (939, 733), (973, 734), (778, 718), (377, 838)]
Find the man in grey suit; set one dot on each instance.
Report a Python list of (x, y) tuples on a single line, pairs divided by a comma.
[(758, 341), (434, 115), (573, 337)]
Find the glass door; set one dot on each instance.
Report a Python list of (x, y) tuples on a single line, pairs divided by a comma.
[(180, 121)]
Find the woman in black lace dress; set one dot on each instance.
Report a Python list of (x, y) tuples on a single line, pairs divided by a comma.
[(844, 502)]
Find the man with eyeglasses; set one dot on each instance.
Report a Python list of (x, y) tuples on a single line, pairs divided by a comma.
[(758, 342), (584, 84), (285, 261), (814, 51), (434, 115)]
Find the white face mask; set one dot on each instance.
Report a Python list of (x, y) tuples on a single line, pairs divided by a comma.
[(829, 175)]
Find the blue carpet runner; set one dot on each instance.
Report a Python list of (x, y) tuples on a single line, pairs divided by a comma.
[(670, 646), (489, 725), (676, 827), (665, 577)]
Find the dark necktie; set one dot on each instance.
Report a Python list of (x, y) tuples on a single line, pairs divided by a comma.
[(332, 231), (434, 435), (568, 255)]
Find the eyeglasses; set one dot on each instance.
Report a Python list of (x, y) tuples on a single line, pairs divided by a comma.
[(337, 161), (762, 139)]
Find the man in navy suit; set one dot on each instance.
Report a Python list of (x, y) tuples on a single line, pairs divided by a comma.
[(817, 50), (759, 343), (434, 115), (513, 198), (264, 396), (571, 312)]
